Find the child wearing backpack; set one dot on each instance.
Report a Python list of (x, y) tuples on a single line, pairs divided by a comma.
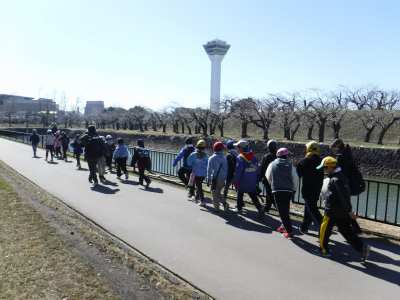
[(141, 157)]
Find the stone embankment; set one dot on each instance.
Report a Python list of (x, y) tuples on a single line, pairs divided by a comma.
[(374, 162)]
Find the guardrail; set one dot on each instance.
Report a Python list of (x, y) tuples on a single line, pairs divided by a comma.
[(380, 201)]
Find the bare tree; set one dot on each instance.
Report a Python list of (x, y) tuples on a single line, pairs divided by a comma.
[(202, 117), (389, 114), (263, 113), (241, 109), (321, 105), (338, 111), (137, 117), (289, 114), (225, 113)]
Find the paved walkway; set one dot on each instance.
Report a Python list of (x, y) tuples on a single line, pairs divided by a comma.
[(231, 257)]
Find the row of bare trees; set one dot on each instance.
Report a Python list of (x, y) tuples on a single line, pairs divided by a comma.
[(314, 110)]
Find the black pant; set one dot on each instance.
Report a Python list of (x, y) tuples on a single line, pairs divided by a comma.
[(198, 185), (65, 150), (253, 197), (311, 214), (228, 183), (143, 176), (109, 162), (78, 159), (92, 163), (49, 148), (121, 165), (269, 198), (184, 174), (282, 202), (345, 228), (34, 148)]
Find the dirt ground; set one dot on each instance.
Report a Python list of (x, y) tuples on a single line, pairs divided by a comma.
[(50, 251)]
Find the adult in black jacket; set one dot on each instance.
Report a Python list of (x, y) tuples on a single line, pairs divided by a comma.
[(272, 147), (94, 149), (312, 180), (231, 160), (338, 211), (34, 139), (346, 162)]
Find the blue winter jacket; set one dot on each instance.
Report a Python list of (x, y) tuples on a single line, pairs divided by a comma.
[(217, 166), (198, 161), (121, 151), (246, 174), (184, 154)]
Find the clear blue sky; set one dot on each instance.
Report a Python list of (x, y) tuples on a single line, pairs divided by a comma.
[(150, 53)]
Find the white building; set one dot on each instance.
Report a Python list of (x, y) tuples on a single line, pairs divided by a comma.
[(216, 50)]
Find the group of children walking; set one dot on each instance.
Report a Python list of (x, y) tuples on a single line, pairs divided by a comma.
[(235, 164), (239, 167)]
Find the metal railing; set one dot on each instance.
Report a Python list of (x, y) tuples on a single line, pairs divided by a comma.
[(379, 202)]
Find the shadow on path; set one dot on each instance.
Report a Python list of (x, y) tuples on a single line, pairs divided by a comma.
[(107, 182), (37, 157), (52, 162), (104, 189), (153, 190), (240, 221), (83, 169), (131, 182), (344, 254)]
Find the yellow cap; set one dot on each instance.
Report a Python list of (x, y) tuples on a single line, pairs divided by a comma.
[(313, 146), (328, 161), (201, 144)]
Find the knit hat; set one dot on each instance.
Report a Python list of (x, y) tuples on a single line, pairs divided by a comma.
[(241, 144), (189, 141), (272, 146), (282, 152), (230, 144), (218, 146)]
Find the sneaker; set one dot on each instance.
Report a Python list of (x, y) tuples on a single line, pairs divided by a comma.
[(237, 210), (190, 197), (90, 179), (102, 178), (365, 252), (126, 176), (303, 231), (281, 229), (226, 206), (148, 184), (119, 177), (325, 253), (202, 204), (288, 235), (261, 213)]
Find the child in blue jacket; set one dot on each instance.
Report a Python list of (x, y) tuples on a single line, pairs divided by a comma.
[(198, 161), (246, 177)]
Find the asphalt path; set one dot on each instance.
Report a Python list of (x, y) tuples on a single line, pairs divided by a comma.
[(228, 256)]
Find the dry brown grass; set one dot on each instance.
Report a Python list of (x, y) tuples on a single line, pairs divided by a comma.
[(35, 263)]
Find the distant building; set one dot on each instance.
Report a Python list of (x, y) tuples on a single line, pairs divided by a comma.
[(20, 105), (94, 107)]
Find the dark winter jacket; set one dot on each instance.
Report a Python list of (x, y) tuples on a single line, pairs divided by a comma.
[(109, 149), (77, 146), (246, 173), (34, 139), (141, 157), (266, 160), (312, 178), (94, 146), (337, 199), (231, 160), (65, 141)]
